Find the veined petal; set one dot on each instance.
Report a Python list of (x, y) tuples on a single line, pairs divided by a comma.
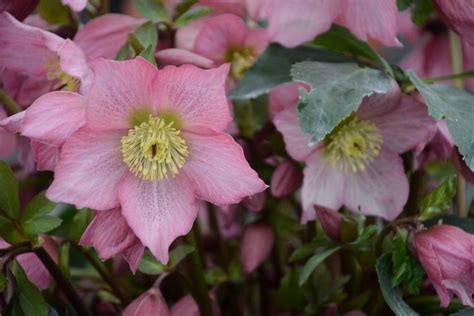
[(46, 156), (158, 211), (218, 170), (89, 170), (178, 57)]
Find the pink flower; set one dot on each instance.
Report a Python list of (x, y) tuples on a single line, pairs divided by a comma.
[(222, 39), (153, 144), (18, 8), (446, 254), (294, 22), (76, 5), (185, 306), (286, 179), (255, 246), (34, 268), (256, 202), (150, 303), (110, 235), (330, 221), (459, 15), (358, 163)]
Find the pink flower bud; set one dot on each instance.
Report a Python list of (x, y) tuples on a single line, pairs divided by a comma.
[(330, 220), (256, 202), (255, 246), (286, 179), (185, 306), (150, 303), (446, 253)]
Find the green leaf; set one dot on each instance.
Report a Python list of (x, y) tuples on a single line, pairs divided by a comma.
[(124, 52), (392, 295), (251, 115), (341, 40), (149, 265), (466, 224), (178, 254), (335, 95), (302, 252), (9, 202), (148, 54), (215, 275), (455, 106), (191, 15), (313, 263), (464, 312), (422, 12), (404, 4), (273, 68), (147, 35), (79, 224), (290, 294), (29, 297), (54, 12), (41, 224), (437, 201), (39, 206), (3, 282), (152, 10)]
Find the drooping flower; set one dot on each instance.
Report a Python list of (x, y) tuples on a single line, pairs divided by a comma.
[(110, 235), (446, 254), (358, 163), (459, 15), (149, 303), (286, 179), (255, 246), (330, 220), (293, 22), (153, 144)]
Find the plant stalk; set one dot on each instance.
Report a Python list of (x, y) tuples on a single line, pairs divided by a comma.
[(10, 104)]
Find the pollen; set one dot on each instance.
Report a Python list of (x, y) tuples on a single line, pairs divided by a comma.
[(241, 60), (154, 150), (353, 144), (63, 80)]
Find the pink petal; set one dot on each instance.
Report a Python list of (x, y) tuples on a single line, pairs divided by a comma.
[(73, 62), (406, 126), (379, 104), (323, 185), (257, 40), (219, 35), (372, 19), (296, 141), (20, 9), (105, 35), (133, 255), (255, 246), (294, 22), (186, 35), (150, 303), (286, 179), (218, 170), (185, 306), (406, 27), (13, 123), (54, 117), (282, 97), (256, 202), (235, 7), (46, 156), (459, 15), (381, 189), (330, 220), (89, 170), (109, 234), (7, 139), (26, 49), (76, 5), (177, 57), (118, 89), (196, 96), (158, 211)]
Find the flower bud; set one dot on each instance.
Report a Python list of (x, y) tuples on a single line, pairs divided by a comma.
[(286, 179), (150, 303), (330, 221), (255, 246), (256, 202), (446, 254)]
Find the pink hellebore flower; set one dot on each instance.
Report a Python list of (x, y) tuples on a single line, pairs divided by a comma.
[(358, 163), (110, 235), (255, 246), (76, 5), (150, 303), (222, 39), (152, 144), (446, 254), (330, 220), (186, 306), (294, 22), (459, 15)]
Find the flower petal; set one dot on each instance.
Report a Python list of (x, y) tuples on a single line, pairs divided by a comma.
[(46, 156), (296, 141), (73, 61), (195, 95), (54, 117), (217, 167), (178, 56), (20, 9), (381, 189), (89, 170), (7, 139), (118, 89), (76, 5), (158, 211), (255, 246)]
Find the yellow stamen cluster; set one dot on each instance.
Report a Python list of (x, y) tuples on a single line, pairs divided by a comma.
[(241, 60), (64, 81), (353, 144), (154, 149)]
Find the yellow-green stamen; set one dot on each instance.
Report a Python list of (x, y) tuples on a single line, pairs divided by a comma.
[(64, 80), (353, 144), (241, 60), (154, 150)]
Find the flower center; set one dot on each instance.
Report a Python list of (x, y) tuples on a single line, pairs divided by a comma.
[(154, 149), (241, 60), (64, 81), (353, 144)]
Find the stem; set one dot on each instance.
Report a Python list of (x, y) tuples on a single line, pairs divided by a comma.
[(457, 63), (10, 104), (223, 253), (462, 75), (200, 291), (62, 282)]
